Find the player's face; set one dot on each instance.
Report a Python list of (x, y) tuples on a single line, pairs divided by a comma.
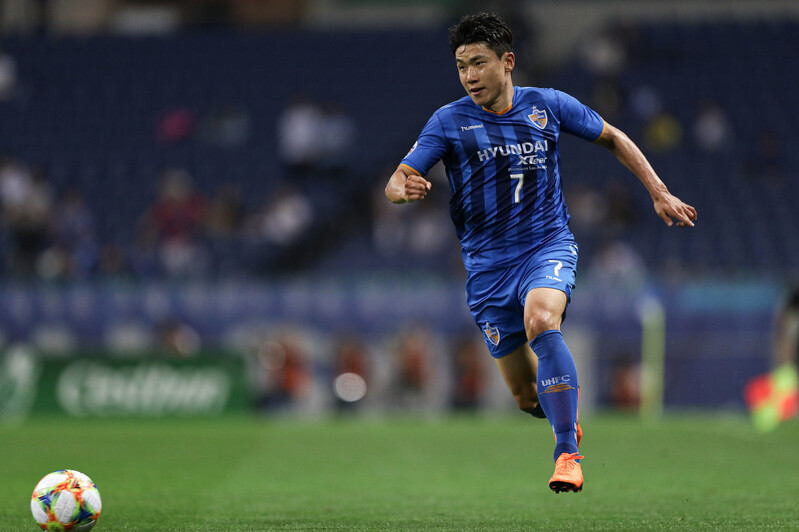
[(485, 76)]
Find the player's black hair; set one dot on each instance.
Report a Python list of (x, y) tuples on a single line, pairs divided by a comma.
[(487, 28)]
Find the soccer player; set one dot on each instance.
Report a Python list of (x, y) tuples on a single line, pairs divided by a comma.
[(500, 148), (787, 330), (774, 396)]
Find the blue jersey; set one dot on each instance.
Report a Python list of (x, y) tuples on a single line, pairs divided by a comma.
[(505, 191)]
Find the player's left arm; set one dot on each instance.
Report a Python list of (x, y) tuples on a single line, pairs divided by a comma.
[(667, 206)]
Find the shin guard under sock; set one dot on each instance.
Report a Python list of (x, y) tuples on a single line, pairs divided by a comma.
[(557, 388)]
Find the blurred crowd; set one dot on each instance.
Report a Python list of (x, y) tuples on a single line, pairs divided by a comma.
[(414, 371), (53, 233), (44, 234), (327, 211)]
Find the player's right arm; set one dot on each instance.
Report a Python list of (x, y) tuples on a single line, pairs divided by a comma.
[(406, 185)]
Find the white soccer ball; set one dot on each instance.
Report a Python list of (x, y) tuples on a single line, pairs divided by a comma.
[(66, 500)]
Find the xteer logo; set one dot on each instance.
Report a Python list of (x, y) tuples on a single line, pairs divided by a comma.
[(556, 384)]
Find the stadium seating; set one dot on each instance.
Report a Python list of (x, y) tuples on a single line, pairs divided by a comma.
[(89, 107)]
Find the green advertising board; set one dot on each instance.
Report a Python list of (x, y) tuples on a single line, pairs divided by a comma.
[(148, 385)]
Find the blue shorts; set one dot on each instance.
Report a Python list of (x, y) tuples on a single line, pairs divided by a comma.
[(496, 297)]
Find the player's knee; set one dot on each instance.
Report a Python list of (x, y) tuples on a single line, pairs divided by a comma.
[(540, 320)]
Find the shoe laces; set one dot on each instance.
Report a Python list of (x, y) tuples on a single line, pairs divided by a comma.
[(568, 460)]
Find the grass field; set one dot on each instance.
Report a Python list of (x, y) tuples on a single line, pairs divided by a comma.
[(459, 474)]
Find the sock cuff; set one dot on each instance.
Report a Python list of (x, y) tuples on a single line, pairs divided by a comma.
[(544, 337)]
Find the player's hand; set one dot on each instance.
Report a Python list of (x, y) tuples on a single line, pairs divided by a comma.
[(416, 187), (668, 207)]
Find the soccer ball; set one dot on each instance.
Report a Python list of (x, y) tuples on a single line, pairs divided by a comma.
[(66, 500)]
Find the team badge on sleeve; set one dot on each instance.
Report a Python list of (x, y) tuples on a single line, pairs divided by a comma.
[(412, 148), (538, 118), (492, 334)]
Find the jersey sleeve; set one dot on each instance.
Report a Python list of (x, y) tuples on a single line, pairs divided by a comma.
[(579, 119), (429, 148)]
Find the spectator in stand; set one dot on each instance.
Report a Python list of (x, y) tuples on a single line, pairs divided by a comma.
[(662, 133), (469, 373), (74, 233), (27, 202), (300, 144), (605, 58), (175, 125), (224, 224), (350, 373), (338, 136), (8, 76), (429, 232), (389, 230), (416, 236), (287, 371), (277, 226), (178, 339), (225, 213), (617, 265), (173, 224), (712, 129), (767, 164), (413, 374), (113, 261), (625, 382), (227, 125), (589, 208), (621, 214)]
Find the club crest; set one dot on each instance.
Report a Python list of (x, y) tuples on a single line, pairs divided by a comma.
[(492, 334), (538, 118)]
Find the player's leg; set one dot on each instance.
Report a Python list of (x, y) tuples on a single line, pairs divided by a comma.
[(557, 374), (496, 308), (557, 381), (519, 369), (787, 332)]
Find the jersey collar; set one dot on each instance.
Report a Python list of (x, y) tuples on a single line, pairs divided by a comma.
[(508, 108)]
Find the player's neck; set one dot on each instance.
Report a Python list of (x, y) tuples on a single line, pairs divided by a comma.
[(504, 103)]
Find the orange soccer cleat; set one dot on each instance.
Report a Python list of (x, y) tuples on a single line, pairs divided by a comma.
[(568, 473)]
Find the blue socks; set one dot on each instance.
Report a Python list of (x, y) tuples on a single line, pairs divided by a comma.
[(557, 388)]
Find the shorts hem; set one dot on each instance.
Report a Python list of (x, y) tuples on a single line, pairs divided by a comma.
[(507, 351)]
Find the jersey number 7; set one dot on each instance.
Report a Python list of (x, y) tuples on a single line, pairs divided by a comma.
[(517, 193)]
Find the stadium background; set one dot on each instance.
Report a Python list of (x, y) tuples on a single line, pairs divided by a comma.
[(192, 210)]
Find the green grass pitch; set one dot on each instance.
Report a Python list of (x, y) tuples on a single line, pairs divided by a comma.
[(458, 474)]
